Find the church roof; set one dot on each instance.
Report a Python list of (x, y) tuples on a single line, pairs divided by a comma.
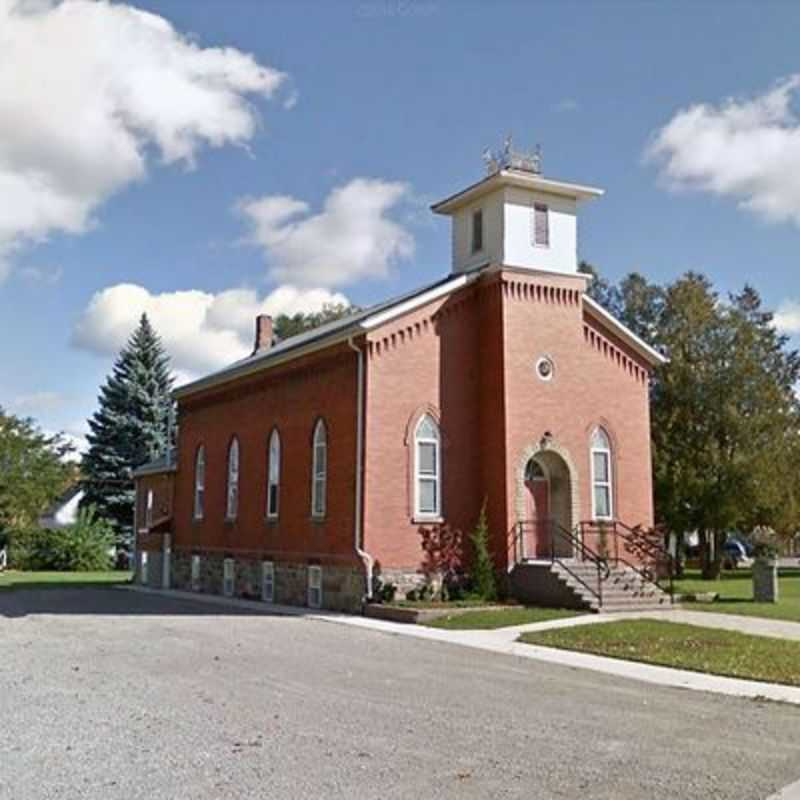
[(331, 333), (365, 320), (166, 462), (515, 177)]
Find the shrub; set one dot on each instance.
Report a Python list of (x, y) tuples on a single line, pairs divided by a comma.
[(84, 546), (443, 547), (484, 584)]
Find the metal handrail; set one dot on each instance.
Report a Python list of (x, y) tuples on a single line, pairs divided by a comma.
[(575, 542), (634, 541)]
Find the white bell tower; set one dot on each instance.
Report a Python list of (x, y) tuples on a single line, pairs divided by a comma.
[(515, 217)]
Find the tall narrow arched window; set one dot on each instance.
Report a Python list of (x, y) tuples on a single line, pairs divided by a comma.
[(148, 514), (273, 474), (602, 476), (427, 469), (319, 469), (232, 507), (200, 483)]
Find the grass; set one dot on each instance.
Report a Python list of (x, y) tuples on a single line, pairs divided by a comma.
[(13, 579), (671, 644), (492, 618), (442, 604), (735, 590)]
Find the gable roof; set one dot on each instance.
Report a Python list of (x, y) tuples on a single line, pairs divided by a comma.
[(514, 177), (166, 462), (639, 345), (367, 319), (330, 333)]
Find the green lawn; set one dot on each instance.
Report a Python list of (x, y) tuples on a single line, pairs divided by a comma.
[(12, 579), (735, 590), (491, 618), (672, 644)]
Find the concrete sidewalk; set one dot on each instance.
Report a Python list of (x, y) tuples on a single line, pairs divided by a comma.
[(504, 641)]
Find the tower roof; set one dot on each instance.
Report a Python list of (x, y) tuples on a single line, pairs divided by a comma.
[(515, 177)]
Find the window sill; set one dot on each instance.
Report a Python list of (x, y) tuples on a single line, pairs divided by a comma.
[(272, 519), (421, 519), (318, 518)]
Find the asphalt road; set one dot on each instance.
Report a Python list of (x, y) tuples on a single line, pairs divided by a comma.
[(109, 694)]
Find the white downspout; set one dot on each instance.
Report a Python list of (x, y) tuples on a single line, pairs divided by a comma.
[(357, 532)]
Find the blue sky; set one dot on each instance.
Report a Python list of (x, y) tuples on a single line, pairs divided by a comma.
[(404, 96)]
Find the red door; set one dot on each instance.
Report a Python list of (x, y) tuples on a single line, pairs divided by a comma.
[(537, 542)]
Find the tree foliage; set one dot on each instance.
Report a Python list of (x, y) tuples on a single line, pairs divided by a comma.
[(130, 427), (286, 325), (483, 580), (84, 546), (33, 472), (724, 411)]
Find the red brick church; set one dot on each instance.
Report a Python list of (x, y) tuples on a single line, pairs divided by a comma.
[(304, 473)]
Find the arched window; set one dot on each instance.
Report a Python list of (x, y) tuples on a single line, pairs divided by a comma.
[(232, 508), (200, 483), (273, 474), (602, 479), (427, 469), (319, 469), (148, 514)]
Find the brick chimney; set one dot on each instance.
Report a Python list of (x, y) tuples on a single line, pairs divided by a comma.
[(263, 333)]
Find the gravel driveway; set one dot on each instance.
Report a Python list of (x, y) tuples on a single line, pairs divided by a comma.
[(110, 694)]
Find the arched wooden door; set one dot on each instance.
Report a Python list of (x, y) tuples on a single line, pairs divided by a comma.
[(536, 542)]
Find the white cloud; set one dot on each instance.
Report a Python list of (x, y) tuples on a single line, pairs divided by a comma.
[(747, 149), (350, 239), (787, 317), (88, 90), (201, 331), (44, 275), (31, 405)]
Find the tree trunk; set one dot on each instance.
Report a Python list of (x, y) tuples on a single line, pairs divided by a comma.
[(711, 549)]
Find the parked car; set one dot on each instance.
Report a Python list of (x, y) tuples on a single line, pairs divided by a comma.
[(736, 554)]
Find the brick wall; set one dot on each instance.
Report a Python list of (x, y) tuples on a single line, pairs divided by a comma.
[(291, 398)]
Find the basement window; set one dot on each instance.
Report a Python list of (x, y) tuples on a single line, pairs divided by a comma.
[(267, 581), (227, 577), (195, 578), (315, 587)]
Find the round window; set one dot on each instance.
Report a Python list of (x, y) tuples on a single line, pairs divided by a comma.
[(544, 368)]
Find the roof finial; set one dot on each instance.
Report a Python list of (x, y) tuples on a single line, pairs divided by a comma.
[(509, 158)]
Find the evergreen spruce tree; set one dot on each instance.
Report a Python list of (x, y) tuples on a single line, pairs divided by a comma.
[(130, 427)]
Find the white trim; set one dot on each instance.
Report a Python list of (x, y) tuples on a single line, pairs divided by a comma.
[(650, 354), (228, 578), (314, 586), (143, 567), (199, 509), (232, 481), (358, 536), (535, 206), (608, 484), (525, 180), (419, 300), (148, 509), (319, 476), (274, 440), (436, 514), (268, 581), (194, 575), (475, 211)]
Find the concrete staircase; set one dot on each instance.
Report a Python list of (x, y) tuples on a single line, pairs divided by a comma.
[(574, 584)]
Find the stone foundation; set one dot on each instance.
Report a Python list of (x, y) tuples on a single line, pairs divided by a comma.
[(403, 580), (342, 586)]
